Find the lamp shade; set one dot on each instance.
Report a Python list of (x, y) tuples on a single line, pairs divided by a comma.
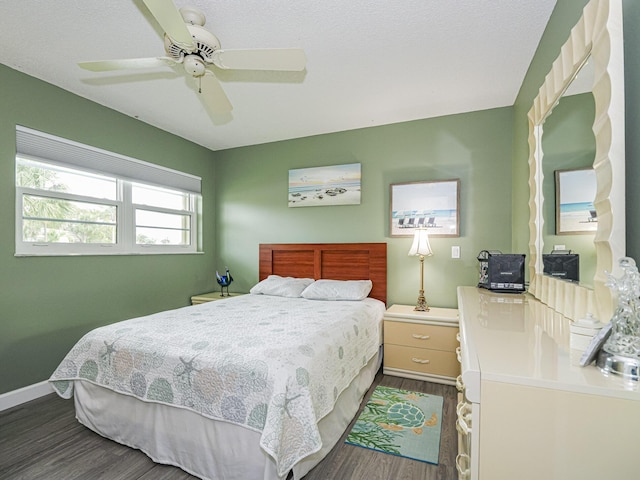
[(420, 244)]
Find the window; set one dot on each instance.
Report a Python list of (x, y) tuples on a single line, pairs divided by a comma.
[(160, 216), (74, 199)]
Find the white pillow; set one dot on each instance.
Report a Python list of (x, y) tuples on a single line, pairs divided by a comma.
[(281, 286), (338, 290)]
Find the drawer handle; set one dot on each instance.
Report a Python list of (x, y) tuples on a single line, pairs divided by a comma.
[(463, 472), (463, 420), (418, 360), (421, 337), (463, 409), (462, 427), (463, 423)]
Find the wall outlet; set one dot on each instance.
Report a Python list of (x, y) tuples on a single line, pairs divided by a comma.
[(455, 251), (559, 247)]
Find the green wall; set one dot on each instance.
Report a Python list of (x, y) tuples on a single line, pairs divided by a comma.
[(631, 12), (47, 303), (251, 197)]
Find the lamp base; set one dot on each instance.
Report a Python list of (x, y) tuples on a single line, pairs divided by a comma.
[(421, 306)]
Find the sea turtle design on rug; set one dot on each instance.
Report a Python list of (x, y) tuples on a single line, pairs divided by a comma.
[(403, 415)]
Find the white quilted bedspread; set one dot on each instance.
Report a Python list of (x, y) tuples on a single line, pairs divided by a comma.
[(271, 364)]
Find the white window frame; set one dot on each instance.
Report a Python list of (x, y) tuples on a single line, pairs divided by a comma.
[(126, 171)]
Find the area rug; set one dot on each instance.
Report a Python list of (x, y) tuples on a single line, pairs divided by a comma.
[(400, 422)]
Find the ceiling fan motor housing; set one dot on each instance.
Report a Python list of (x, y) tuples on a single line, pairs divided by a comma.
[(206, 43)]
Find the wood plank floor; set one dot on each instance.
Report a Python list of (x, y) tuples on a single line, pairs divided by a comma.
[(43, 440)]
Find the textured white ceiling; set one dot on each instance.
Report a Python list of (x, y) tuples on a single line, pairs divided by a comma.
[(369, 62)]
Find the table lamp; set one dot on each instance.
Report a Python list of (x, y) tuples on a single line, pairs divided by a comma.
[(421, 248)]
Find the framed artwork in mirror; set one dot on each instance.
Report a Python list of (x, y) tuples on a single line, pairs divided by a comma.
[(432, 205), (575, 193)]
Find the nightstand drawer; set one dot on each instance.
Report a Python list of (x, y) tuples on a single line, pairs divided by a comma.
[(420, 336), (421, 360)]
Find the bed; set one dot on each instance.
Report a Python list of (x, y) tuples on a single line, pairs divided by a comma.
[(259, 386)]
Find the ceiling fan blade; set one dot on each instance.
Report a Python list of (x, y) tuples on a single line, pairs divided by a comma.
[(212, 94), (169, 18), (286, 59), (127, 63)]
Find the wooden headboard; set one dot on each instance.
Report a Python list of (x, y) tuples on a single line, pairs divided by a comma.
[(337, 261)]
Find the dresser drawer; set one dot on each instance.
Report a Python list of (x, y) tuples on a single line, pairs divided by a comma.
[(422, 336), (421, 360)]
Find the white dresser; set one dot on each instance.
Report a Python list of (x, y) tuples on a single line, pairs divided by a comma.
[(529, 413)]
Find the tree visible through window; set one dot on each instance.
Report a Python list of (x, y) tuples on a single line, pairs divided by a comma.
[(51, 219), (61, 205)]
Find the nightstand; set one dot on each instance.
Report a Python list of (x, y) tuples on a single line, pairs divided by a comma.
[(210, 297), (421, 345)]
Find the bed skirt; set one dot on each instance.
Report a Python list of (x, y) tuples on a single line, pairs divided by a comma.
[(206, 448)]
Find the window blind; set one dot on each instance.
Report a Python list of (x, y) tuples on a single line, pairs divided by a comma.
[(64, 152)]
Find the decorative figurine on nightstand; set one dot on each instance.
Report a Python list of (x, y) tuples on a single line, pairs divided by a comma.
[(224, 281)]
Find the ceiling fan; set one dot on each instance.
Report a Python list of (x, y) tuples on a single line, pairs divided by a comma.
[(188, 43)]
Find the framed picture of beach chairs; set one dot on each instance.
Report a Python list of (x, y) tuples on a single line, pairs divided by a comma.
[(575, 193), (431, 205)]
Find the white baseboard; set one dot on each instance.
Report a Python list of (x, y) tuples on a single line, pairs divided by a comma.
[(24, 394)]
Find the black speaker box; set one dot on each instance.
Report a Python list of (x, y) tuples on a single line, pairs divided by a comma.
[(562, 265), (501, 272)]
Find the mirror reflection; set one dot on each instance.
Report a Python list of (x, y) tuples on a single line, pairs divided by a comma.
[(568, 144), (598, 31)]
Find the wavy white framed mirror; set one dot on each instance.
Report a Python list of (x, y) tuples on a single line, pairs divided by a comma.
[(596, 39)]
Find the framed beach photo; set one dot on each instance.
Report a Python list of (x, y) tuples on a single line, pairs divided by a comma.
[(324, 186), (575, 193), (431, 205)]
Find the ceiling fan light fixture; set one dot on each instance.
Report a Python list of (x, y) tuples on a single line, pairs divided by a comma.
[(194, 65)]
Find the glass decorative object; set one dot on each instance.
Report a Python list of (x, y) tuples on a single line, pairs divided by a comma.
[(621, 352)]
